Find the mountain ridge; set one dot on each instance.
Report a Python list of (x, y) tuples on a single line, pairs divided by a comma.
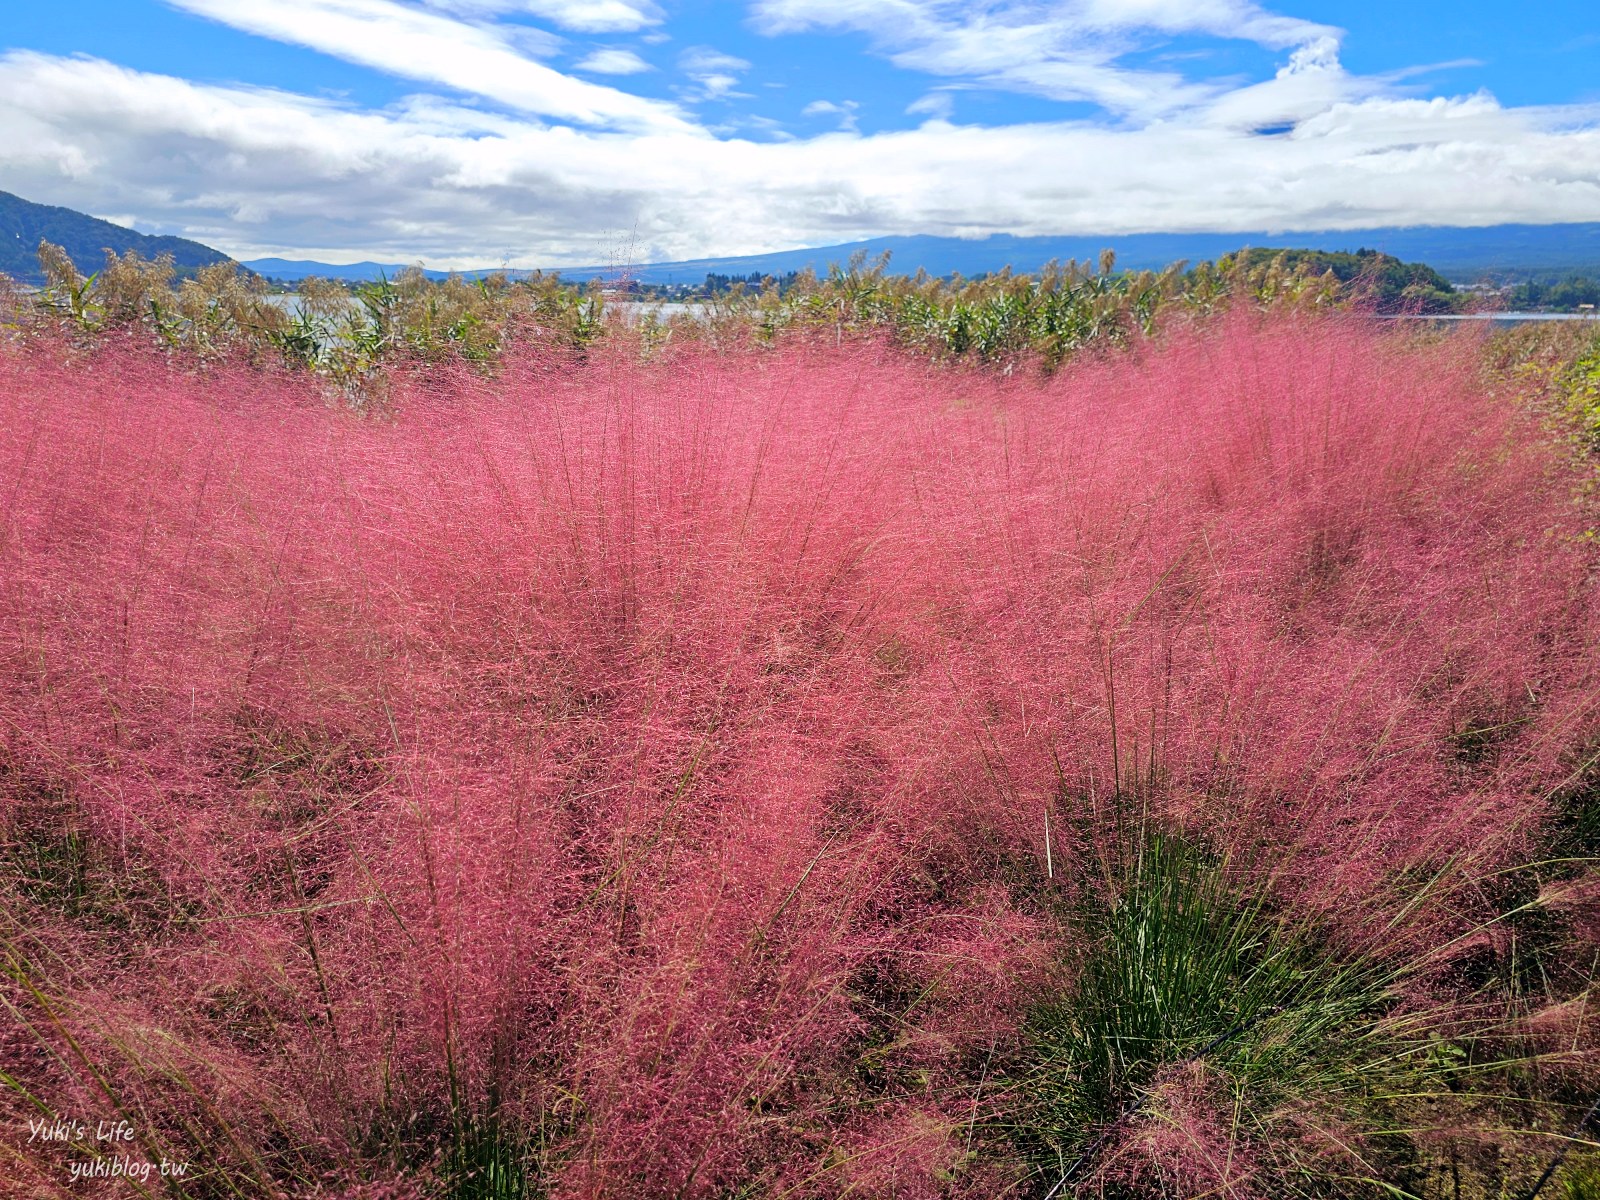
[(1462, 254), (23, 224)]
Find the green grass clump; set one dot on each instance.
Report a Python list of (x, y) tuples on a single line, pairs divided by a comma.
[(485, 1162), (1184, 968), (1582, 380), (1319, 1080)]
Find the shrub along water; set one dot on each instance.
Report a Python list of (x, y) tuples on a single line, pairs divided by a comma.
[(797, 774)]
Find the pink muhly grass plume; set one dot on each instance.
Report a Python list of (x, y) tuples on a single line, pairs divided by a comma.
[(649, 764), (1186, 1137)]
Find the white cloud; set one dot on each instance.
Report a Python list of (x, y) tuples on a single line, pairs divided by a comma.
[(596, 16), (262, 172), (473, 58), (845, 110), (1311, 83), (1220, 18), (716, 73), (1065, 51), (581, 16), (704, 58), (612, 60), (912, 19), (937, 105)]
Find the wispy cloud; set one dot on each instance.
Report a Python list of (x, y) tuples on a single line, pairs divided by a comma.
[(580, 16), (716, 73), (272, 172), (469, 57), (612, 60), (1067, 52), (939, 105), (845, 110)]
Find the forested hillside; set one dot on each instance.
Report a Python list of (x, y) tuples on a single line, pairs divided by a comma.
[(24, 224)]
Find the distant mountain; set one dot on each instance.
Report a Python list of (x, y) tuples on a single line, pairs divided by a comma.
[(291, 269), (86, 239), (1461, 255)]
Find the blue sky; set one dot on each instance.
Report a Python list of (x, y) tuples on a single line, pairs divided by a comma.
[(560, 131)]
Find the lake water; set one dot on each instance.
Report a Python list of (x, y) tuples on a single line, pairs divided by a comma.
[(1497, 318), (288, 301), (630, 310)]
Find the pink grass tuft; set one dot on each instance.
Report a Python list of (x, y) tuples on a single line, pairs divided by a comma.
[(656, 761)]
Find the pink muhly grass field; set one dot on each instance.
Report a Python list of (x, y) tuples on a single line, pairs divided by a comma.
[(650, 765)]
